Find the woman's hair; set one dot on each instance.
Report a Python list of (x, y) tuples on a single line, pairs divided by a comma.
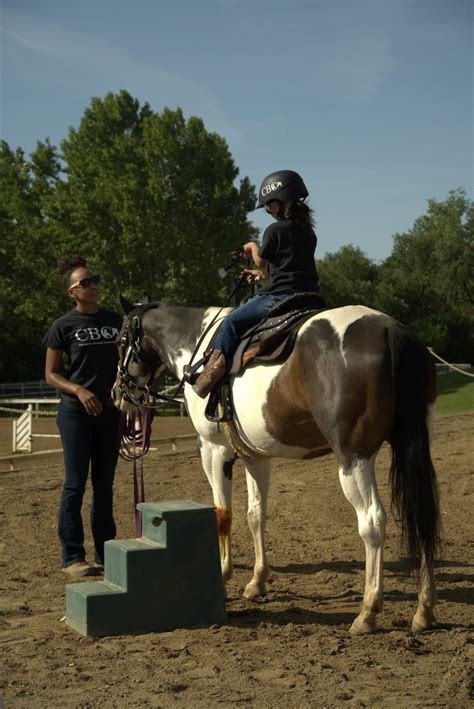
[(67, 266), (299, 212)]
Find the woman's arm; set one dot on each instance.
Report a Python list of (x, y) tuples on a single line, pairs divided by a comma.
[(55, 379), (250, 250)]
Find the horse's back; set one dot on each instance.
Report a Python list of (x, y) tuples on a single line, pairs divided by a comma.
[(334, 392)]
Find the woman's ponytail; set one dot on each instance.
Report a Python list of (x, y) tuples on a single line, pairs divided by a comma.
[(302, 214)]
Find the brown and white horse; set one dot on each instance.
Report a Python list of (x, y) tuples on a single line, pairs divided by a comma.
[(355, 379)]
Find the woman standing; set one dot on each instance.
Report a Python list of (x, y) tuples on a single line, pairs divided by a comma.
[(87, 420), (286, 254)]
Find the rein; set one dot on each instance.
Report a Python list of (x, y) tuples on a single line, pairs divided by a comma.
[(214, 319), (133, 339), (134, 433)]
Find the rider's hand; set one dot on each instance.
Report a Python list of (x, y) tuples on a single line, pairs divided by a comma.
[(89, 401), (246, 250), (253, 275)]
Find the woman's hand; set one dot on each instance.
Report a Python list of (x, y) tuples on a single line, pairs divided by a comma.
[(89, 401), (253, 275)]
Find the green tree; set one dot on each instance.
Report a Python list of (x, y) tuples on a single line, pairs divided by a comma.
[(27, 298), (348, 277), (427, 281), (150, 200)]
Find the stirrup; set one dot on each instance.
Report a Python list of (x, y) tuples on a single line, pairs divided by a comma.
[(190, 370), (221, 394)]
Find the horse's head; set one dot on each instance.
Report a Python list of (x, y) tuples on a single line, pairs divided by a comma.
[(139, 360)]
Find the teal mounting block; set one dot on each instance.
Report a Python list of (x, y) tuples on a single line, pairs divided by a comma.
[(169, 578)]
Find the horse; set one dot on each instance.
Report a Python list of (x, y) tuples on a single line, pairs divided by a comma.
[(354, 379)]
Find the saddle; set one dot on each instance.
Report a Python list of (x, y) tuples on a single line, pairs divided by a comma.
[(270, 341)]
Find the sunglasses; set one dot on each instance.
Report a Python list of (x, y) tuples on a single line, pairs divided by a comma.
[(86, 282)]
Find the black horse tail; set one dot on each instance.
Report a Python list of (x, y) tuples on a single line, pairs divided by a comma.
[(412, 474)]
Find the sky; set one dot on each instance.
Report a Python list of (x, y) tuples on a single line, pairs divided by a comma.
[(371, 101)]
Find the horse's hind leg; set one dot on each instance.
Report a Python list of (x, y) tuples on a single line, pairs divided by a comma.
[(359, 486), (217, 462), (258, 479), (424, 617)]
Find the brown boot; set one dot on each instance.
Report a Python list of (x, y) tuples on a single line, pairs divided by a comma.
[(214, 370)]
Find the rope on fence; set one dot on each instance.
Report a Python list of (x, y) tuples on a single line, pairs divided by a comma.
[(452, 366), (21, 411)]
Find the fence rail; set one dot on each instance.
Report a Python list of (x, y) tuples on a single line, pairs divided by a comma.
[(15, 457), (25, 389)]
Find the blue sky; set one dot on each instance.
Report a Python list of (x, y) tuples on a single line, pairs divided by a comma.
[(370, 100)]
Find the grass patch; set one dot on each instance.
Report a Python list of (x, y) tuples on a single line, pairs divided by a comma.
[(455, 393)]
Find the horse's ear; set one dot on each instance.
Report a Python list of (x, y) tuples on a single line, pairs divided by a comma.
[(127, 306), (146, 298)]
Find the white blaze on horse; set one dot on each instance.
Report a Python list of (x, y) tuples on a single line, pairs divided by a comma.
[(354, 379)]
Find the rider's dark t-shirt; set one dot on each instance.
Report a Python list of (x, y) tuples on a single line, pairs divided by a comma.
[(289, 250), (88, 340)]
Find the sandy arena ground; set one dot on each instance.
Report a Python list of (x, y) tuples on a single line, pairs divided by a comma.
[(291, 649)]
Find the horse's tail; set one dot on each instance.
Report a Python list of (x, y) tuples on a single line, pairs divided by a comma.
[(412, 474)]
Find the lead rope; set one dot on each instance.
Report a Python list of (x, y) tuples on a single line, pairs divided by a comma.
[(134, 443)]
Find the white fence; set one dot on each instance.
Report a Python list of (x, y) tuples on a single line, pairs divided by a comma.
[(23, 432)]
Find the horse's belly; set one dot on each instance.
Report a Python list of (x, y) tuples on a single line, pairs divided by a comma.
[(289, 435)]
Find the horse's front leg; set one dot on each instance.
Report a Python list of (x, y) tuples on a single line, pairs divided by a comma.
[(217, 462), (258, 479), (359, 486)]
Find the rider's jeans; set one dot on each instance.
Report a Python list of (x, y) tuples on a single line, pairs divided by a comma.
[(242, 318), (87, 440)]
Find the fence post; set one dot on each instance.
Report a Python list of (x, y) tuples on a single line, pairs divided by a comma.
[(22, 431)]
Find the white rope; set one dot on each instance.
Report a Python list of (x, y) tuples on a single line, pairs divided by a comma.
[(456, 369), (22, 411)]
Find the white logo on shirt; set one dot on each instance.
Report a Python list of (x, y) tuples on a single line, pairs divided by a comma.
[(89, 334)]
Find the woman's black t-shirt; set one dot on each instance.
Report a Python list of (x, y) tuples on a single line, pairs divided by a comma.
[(88, 340), (289, 250)]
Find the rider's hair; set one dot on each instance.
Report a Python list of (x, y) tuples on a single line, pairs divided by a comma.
[(296, 212), (67, 266)]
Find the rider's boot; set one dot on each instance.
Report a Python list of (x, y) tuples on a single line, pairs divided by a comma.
[(213, 371)]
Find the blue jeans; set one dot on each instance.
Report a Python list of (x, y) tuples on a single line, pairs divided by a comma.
[(87, 440), (242, 318)]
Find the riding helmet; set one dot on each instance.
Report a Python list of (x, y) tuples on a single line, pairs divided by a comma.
[(283, 185)]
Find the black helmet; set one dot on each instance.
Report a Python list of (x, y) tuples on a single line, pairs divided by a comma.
[(284, 185)]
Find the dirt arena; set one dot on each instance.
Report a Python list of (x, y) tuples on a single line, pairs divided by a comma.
[(291, 649)]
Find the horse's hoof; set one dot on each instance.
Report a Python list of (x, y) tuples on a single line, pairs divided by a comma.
[(362, 627), (423, 621), (254, 590)]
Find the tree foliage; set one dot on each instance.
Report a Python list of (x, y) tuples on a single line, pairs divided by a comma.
[(427, 281), (348, 277), (27, 298), (149, 199), (153, 202)]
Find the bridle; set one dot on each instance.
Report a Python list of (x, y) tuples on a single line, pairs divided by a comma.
[(147, 398), (142, 396)]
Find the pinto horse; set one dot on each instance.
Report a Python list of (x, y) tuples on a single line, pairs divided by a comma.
[(355, 378)]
